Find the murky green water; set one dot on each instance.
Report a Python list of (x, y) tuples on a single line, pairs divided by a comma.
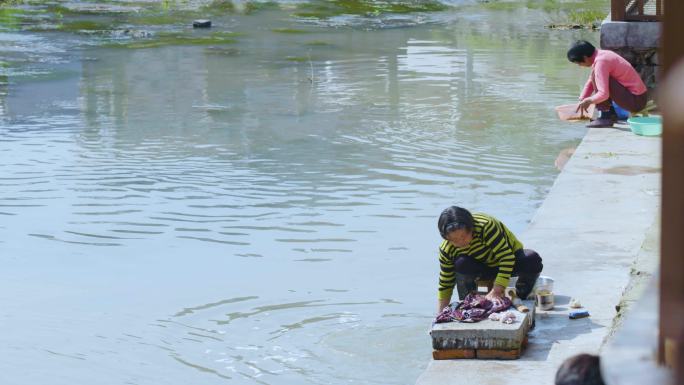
[(256, 203)]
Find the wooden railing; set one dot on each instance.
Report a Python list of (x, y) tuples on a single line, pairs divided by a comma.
[(636, 10)]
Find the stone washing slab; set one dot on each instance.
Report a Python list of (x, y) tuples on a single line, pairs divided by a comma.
[(486, 334)]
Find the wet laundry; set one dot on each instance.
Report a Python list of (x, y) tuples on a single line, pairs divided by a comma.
[(473, 308), (506, 318)]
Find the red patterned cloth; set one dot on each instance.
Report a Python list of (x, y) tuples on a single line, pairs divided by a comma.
[(473, 308)]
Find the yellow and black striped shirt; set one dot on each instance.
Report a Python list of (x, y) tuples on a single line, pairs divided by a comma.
[(493, 244)]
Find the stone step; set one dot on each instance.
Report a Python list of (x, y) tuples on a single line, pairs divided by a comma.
[(484, 339)]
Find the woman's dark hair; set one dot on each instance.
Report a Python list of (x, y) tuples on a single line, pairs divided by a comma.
[(582, 369), (454, 218), (579, 50)]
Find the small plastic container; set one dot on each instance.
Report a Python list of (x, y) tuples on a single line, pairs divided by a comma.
[(569, 112), (543, 290), (544, 283), (646, 125), (545, 300)]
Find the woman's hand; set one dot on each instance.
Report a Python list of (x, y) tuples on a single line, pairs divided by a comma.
[(583, 106), (442, 303), (496, 293)]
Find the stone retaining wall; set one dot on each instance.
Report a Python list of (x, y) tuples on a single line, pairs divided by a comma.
[(645, 61), (638, 42)]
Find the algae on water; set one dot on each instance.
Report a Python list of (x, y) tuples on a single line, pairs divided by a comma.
[(256, 6), (329, 8), (289, 30), (317, 43), (297, 59), (179, 38)]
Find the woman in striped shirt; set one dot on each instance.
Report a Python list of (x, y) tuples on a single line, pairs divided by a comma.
[(479, 246)]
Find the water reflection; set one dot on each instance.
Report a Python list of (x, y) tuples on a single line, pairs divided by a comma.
[(264, 212), (271, 116), (563, 157)]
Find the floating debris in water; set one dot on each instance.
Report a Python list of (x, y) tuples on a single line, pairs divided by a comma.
[(132, 33), (572, 26), (201, 23)]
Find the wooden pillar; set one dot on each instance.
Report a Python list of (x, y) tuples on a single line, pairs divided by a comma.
[(659, 8), (671, 100), (617, 10)]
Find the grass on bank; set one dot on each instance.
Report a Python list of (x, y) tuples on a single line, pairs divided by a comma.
[(586, 17), (580, 19), (587, 14)]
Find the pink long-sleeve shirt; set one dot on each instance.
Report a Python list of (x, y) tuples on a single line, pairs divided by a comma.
[(607, 64)]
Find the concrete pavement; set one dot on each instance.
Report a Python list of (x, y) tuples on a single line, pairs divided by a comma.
[(589, 230)]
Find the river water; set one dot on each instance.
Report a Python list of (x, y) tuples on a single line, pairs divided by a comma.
[(262, 209)]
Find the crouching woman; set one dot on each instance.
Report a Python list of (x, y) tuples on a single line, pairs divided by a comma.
[(480, 247)]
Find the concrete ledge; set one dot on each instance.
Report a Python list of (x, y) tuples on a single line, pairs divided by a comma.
[(630, 359), (588, 231)]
